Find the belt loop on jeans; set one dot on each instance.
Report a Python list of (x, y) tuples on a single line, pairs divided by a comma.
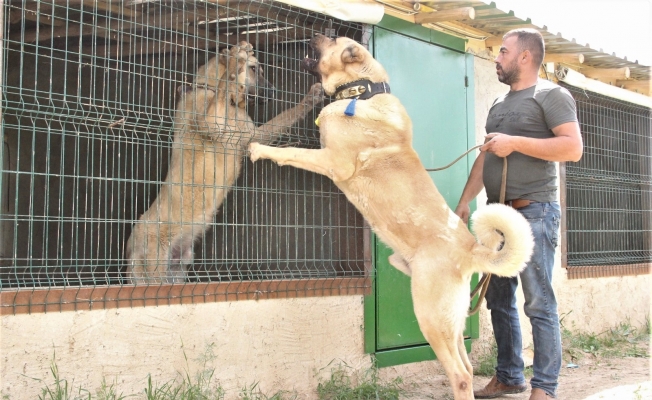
[(518, 203)]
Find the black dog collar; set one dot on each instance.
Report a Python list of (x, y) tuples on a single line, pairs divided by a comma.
[(362, 89)]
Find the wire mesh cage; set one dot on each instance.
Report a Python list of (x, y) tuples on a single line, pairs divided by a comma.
[(125, 126), (608, 192)]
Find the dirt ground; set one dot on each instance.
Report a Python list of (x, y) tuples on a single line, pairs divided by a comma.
[(613, 379)]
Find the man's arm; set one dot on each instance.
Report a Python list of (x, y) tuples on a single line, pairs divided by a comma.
[(565, 146), (472, 188)]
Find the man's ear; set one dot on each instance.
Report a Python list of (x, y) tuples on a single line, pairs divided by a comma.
[(352, 54)]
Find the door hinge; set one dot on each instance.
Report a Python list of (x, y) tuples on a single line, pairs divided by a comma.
[(466, 81)]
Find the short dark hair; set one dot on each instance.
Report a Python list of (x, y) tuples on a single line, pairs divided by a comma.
[(529, 39)]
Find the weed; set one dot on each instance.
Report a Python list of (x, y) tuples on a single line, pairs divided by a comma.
[(201, 387), (108, 392), (344, 385), (61, 390), (253, 392), (623, 340), (487, 362)]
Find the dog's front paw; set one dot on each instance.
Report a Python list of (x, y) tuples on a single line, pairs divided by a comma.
[(315, 95), (254, 151)]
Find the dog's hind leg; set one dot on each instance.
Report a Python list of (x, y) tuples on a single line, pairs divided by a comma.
[(181, 255), (446, 344), (448, 353), (440, 306), (464, 355), (147, 249)]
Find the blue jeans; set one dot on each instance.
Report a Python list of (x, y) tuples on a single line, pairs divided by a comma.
[(540, 306)]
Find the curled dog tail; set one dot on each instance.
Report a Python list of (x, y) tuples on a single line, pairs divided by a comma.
[(496, 225)]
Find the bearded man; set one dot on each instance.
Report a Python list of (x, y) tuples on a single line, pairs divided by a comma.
[(534, 125)]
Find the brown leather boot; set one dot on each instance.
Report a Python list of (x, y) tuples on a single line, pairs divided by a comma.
[(496, 389), (540, 394)]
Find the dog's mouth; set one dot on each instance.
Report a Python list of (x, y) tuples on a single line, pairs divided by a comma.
[(310, 64)]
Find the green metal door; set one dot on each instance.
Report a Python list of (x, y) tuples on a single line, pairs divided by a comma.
[(432, 82)]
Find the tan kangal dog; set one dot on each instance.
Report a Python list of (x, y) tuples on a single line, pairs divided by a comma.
[(369, 156), (211, 134)]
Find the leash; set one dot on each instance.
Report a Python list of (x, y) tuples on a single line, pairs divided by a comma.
[(486, 278), (483, 284), (456, 160)]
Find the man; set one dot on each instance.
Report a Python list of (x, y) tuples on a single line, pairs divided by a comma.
[(534, 126)]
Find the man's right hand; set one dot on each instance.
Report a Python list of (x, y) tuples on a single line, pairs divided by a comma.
[(463, 211)]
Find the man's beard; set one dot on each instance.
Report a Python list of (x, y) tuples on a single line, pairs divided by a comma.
[(510, 75)]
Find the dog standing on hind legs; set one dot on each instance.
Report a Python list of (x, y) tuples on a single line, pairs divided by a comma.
[(211, 132), (366, 149)]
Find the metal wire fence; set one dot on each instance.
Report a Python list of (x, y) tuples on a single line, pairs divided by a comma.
[(608, 192), (125, 126)]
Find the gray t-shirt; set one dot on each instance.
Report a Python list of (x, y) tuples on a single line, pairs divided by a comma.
[(531, 112)]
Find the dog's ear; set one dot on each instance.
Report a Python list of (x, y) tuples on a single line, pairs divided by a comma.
[(352, 54)]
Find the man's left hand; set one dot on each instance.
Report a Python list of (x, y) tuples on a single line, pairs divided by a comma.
[(499, 144)]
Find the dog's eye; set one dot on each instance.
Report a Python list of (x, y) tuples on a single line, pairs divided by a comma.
[(253, 68)]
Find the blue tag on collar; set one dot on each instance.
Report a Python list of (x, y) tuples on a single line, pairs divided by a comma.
[(350, 109)]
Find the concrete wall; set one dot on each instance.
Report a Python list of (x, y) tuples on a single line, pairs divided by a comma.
[(282, 344)]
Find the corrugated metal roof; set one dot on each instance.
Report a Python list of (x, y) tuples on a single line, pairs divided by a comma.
[(492, 23)]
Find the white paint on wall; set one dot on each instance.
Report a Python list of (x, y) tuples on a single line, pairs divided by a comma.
[(281, 344)]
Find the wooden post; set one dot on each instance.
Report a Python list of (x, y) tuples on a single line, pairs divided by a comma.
[(606, 74), (493, 41), (641, 86), (564, 58), (456, 14)]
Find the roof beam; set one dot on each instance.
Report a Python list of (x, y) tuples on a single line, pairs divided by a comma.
[(455, 14), (642, 86), (564, 58), (493, 41), (606, 74)]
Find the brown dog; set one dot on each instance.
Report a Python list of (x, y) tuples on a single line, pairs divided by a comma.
[(212, 130), (369, 156)]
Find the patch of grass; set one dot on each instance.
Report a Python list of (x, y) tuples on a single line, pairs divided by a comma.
[(487, 362), (346, 384), (61, 389), (187, 389), (623, 340), (108, 392), (253, 392), (201, 387)]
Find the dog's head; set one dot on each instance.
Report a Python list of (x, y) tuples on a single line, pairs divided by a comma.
[(243, 77), (342, 60)]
